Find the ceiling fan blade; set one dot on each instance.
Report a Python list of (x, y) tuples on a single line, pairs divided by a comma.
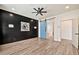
[(43, 11), (34, 12), (41, 14), (35, 9), (41, 8)]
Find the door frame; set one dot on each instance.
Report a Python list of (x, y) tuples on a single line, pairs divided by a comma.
[(61, 27), (53, 22)]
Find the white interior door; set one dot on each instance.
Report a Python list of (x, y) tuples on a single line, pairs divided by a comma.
[(66, 29), (75, 32)]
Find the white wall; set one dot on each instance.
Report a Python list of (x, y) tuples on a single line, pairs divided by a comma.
[(70, 15)]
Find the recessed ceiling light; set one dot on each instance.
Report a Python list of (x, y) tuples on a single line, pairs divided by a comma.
[(67, 7), (13, 8)]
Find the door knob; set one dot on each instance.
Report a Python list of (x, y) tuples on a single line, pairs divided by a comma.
[(76, 33)]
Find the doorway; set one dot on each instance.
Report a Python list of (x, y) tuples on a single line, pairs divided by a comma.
[(66, 29), (50, 29)]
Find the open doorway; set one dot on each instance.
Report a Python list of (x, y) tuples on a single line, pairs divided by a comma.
[(50, 28)]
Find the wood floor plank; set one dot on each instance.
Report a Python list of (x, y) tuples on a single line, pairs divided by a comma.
[(37, 46)]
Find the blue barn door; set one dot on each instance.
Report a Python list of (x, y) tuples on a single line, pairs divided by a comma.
[(43, 29)]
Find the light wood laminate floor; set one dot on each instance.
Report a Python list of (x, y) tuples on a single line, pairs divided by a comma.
[(36, 46)]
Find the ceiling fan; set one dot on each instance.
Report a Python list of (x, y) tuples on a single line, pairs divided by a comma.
[(39, 11)]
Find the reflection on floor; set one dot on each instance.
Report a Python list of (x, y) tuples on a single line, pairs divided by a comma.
[(36, 46)]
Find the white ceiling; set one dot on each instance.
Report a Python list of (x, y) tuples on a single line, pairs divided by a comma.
[(27, 9)]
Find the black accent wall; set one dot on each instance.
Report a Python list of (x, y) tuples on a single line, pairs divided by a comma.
[(8, 35)]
